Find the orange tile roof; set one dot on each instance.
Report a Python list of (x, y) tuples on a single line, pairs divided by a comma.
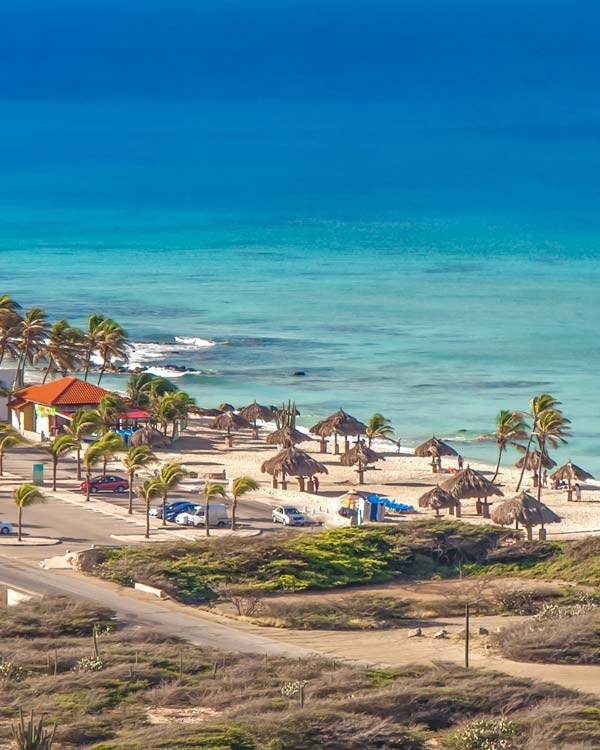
[(63, 392)]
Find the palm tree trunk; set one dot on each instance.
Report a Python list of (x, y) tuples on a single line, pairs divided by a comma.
[(88, 357), (79, 463), (102, 370), (233, 512), (207, 517), (524, 462), (47, 371), (54, 469), (498, 462), (1, 463), (147, 535), (164, 509), (130, 507), (88, 479), (541, 468), (19, 538)]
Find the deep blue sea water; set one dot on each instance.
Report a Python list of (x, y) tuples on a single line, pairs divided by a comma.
[(400, 199)]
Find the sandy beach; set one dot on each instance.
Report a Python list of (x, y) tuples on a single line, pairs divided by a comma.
[(401, 477)]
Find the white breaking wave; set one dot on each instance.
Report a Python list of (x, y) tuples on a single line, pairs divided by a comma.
[(194, 342), (150, 354)]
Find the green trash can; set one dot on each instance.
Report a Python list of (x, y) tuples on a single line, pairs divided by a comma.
[(38, 475)]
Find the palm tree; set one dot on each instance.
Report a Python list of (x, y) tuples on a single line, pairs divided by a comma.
[(551, 429), (149, 490), (24, 496), (83, 422), (379, 427), (111, 345), (59, 447), (538, 405), (109, 410), (63, 349), (31, 332), (240, 487), (137, 458), (9, 322), (510, 429), (211, 490), (108, 445), (142, 386), (169, 476), (91, 340), (9, 438)]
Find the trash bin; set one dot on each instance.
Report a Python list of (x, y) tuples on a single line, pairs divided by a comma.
[(38, 475)]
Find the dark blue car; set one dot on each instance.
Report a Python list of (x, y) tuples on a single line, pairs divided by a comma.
[(181, 506)]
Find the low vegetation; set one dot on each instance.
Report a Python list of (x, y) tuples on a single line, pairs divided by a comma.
[(300, 561), (154, 692), (559, 639)]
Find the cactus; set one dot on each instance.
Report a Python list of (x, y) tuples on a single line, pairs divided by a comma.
[(32, 735)]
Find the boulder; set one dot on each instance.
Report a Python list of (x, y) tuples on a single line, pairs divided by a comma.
[(415, 633)]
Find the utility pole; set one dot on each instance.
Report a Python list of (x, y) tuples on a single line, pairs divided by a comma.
[(467, 624)]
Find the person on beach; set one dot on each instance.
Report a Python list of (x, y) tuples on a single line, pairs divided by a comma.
[(545, 479), (398, 442), (555, 483), (316, 484), (577, 491), (461, 462)]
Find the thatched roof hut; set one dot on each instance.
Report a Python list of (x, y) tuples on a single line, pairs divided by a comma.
[(229, 421), (360, 455), (292, 461), (336, 424), (525, 510), (570, 473), (434, 446), (287, 436), (147, 436), (436, 499), (255, 411), (531, 461), (469, 483)]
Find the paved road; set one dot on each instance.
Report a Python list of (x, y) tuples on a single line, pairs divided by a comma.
[(134, 608), (78, 526)]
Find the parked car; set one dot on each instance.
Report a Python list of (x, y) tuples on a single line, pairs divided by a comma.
[(288, 516), (217, 514), (5, 528), (109, 483), (172, 509)]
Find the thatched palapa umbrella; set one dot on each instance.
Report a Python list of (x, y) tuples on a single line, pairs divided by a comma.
[(531, 461), (525, 510), (254, 412), (147, 436), (360, 456), (336, 424), (571, 473), (286, 436), (438, 498), (434, 448), (229, 421), (294, 462), (469, 483)]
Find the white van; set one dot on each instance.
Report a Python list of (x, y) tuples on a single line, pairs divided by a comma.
[(217, 515)]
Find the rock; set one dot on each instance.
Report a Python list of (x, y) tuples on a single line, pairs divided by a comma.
[(298, 374), (483, 631), (441, 634), (415, 633)]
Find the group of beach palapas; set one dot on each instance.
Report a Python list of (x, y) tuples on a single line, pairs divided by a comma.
[(28, 339), (532, 433)]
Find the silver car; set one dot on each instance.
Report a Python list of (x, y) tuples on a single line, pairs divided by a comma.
[(288, 516)]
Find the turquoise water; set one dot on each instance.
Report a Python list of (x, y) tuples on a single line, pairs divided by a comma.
[(416, 233)]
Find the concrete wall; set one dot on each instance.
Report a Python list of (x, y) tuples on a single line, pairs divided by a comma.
[(10, 597)]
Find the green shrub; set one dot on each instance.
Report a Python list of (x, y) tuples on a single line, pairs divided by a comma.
[(486, 734)]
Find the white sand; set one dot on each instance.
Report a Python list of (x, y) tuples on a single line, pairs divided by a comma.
[(403, 477)]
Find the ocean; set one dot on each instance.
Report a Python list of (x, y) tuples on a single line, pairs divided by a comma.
[(398, 199)]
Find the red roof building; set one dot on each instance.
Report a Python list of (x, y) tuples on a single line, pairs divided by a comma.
[(44, 408)]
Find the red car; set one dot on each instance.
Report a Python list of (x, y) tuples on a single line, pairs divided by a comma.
[(109, 483)]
